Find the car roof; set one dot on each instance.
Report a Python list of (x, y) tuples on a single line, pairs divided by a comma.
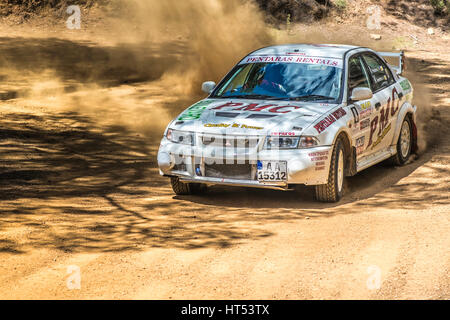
[(315, 50)]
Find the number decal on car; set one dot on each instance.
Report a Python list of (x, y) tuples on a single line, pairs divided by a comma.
[(355, 114)]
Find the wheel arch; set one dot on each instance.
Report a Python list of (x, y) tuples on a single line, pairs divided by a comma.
[(350, 152), (407, 110)]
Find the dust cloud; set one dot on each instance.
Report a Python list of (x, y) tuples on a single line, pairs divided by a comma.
[(215, 33), (427, 136), (153, 59), (147, 68)]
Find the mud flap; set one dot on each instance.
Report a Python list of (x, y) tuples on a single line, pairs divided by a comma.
[(352, 170), (414, 146)]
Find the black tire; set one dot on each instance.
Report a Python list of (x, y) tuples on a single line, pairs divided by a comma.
[(332, 191), (402, 157), (184, 189), (197, 188)]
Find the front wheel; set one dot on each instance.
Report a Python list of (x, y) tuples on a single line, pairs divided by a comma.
[(183, 188), (334, 189)]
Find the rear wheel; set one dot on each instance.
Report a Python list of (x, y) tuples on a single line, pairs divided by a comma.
[(404, 144), (334, 189), (183, 188)]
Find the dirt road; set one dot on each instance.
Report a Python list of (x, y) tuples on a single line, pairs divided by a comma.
[(79, 190)]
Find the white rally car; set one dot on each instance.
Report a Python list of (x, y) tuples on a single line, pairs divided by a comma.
[(294, 114)]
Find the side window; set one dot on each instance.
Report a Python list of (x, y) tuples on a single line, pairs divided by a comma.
[(357, 76), (381, 75)]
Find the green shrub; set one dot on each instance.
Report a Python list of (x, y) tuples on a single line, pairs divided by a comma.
[(341, 4), (440, 6)]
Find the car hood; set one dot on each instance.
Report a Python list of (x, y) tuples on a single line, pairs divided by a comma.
[(250, 117)]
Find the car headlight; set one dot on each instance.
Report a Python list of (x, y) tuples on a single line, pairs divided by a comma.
[(290, 142), (308, 142), (183, 137), (281, 142)]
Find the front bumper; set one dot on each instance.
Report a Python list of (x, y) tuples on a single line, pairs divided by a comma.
[(304, 166)]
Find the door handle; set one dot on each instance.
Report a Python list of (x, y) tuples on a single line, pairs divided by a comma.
[(378, 105)]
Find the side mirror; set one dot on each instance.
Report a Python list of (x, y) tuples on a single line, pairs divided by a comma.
[(208, 86), (361, 93)]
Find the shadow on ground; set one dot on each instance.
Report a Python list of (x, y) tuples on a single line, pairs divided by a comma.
[(67, 183), (87, 63)]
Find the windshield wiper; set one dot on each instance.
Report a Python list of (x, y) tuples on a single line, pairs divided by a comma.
[(250, 96), (312, 97), (265, 97)]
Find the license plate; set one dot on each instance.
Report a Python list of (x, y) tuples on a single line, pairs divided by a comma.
[(272, 170)]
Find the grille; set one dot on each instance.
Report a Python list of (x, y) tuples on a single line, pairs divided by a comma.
[(229, 171), (179, 167), (261, 116), (226, 114)]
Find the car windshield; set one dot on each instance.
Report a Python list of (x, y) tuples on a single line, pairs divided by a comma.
[(282, 81)]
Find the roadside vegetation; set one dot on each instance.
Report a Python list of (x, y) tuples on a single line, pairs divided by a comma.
[(277, 11)]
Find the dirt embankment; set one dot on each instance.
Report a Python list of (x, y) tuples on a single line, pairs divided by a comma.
[(277, 10), (423, 12)]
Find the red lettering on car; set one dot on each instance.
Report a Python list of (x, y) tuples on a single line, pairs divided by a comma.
[(252, 107), (228, 105), (373, 128), (276, 109), (384, 117), (394, 98)]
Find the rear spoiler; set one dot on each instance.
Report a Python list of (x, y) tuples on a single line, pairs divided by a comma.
[(401, 60)]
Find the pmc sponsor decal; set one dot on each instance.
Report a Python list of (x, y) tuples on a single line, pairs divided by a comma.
[(257, 107), (380, 122), (381, 137)]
